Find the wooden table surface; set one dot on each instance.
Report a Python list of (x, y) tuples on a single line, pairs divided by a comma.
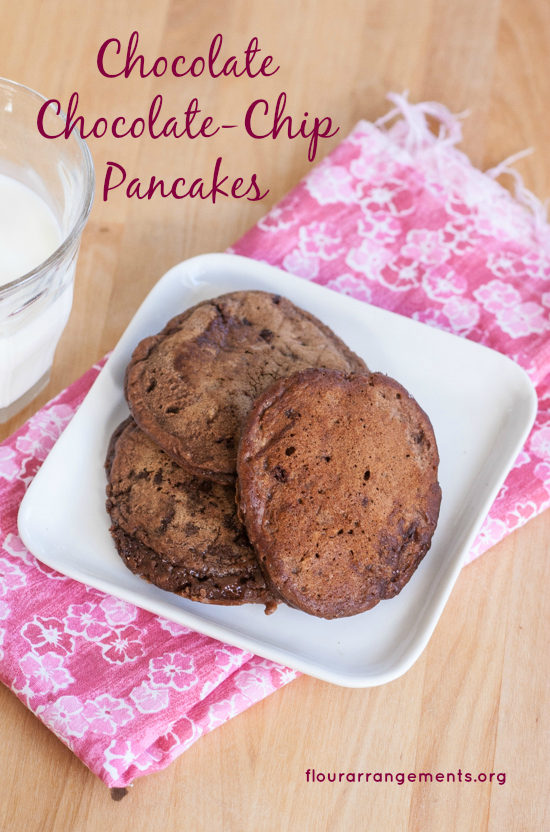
[(478, 698)]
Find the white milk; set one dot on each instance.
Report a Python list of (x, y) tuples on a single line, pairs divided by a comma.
[(29, 234)]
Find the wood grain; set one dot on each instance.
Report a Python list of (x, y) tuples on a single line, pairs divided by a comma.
[(478, 698)]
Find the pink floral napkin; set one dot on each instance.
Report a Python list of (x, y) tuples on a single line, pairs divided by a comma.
[(398, 218)]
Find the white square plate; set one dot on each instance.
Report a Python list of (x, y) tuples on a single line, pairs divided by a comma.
[(481, 404)]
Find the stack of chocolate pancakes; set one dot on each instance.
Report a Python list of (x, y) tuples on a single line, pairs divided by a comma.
[(263, 463)]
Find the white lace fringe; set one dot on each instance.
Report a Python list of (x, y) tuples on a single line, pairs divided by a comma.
[(419, 138)]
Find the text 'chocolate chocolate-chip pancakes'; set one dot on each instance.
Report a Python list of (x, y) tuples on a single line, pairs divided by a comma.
[(335, 467)]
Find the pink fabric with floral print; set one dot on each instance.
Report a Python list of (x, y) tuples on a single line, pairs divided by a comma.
[(398, 218), (126, 690)]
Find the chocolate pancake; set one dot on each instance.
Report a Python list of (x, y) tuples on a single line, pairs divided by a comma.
[(177, 531), (191, 386), (338, 489)]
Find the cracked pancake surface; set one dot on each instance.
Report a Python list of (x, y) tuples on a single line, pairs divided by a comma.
[(191, 387), (177, 531)]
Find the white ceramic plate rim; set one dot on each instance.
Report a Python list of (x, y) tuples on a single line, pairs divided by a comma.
[(43, 521)]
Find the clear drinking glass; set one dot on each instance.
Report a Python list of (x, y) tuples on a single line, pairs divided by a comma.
[(35, 306)]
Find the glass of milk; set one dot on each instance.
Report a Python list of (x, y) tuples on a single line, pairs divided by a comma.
[(46, 192)]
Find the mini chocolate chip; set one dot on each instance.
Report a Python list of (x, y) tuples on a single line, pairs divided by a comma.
[(279, 473), (118, 793)]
